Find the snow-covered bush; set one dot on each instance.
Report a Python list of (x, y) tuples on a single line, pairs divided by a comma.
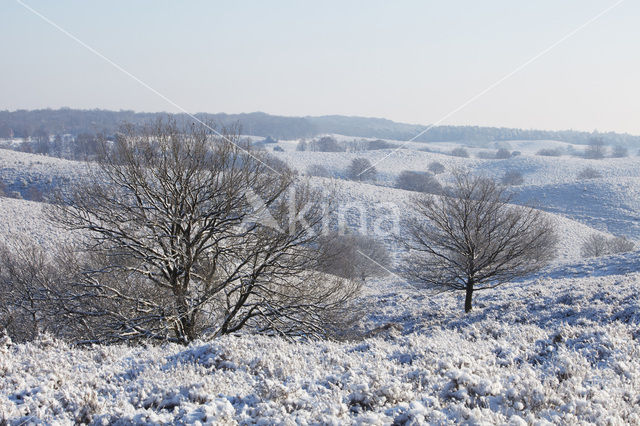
[(460, 152), (435, 167), (361, 169), (512, 177), (589, 173), (549, 152), (418, 181), (597, 245), (318, 170), (503, 153)]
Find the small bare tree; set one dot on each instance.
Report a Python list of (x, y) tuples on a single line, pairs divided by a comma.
[(193, 234), (473, 239)]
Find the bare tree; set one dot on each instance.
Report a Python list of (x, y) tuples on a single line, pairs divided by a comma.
[(361, 169), (472, 239), (418, 181), (196, 235)]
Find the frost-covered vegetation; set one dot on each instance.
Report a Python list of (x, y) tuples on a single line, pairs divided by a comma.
[(560, 346)]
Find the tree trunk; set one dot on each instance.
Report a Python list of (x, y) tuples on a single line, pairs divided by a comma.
[(467, 299)]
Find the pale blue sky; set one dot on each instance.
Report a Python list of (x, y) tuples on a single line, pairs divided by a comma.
[(411, 61)]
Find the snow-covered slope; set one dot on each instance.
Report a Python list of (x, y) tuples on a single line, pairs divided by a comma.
[(559, 347), (548, 350)]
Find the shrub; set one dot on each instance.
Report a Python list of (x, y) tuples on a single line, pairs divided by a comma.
[(485, 155), (597, 245), (460, 152), (589, 173), (354, 256), (278, 149), (621, 245), (619, 151), (503, 153), (318, 171), (548, 152), (379, 144), (435, 167), (361, 169), (418, 181), (512, 177)]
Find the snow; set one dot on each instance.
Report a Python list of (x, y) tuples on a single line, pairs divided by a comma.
[(544, 350), (559, 347)]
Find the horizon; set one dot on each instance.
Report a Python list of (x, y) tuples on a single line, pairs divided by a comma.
[(567, 66), (63, 108)]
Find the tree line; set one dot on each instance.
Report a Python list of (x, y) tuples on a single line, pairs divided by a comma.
[(31, 123)]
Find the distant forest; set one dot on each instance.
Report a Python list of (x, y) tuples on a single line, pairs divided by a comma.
[(51, 122)]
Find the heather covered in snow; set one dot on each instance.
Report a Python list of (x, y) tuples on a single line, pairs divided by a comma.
[(543, 351)]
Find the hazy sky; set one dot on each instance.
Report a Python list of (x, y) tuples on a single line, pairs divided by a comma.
[(410, 61)]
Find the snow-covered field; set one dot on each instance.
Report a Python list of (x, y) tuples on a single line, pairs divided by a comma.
[(560, 347)]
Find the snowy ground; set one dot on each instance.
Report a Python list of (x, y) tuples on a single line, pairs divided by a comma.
[(560, 347), (549, 350)]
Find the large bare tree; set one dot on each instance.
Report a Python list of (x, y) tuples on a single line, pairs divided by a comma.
[(190, 233), (471, 238)]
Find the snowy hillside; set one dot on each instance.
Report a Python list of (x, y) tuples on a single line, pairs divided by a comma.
[(559, 347), (559, 351)]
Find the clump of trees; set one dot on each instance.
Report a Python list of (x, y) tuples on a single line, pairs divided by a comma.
[(473, 239), (190, 234), (361, 169), (419, 182), (597, 245), (589, 173)]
